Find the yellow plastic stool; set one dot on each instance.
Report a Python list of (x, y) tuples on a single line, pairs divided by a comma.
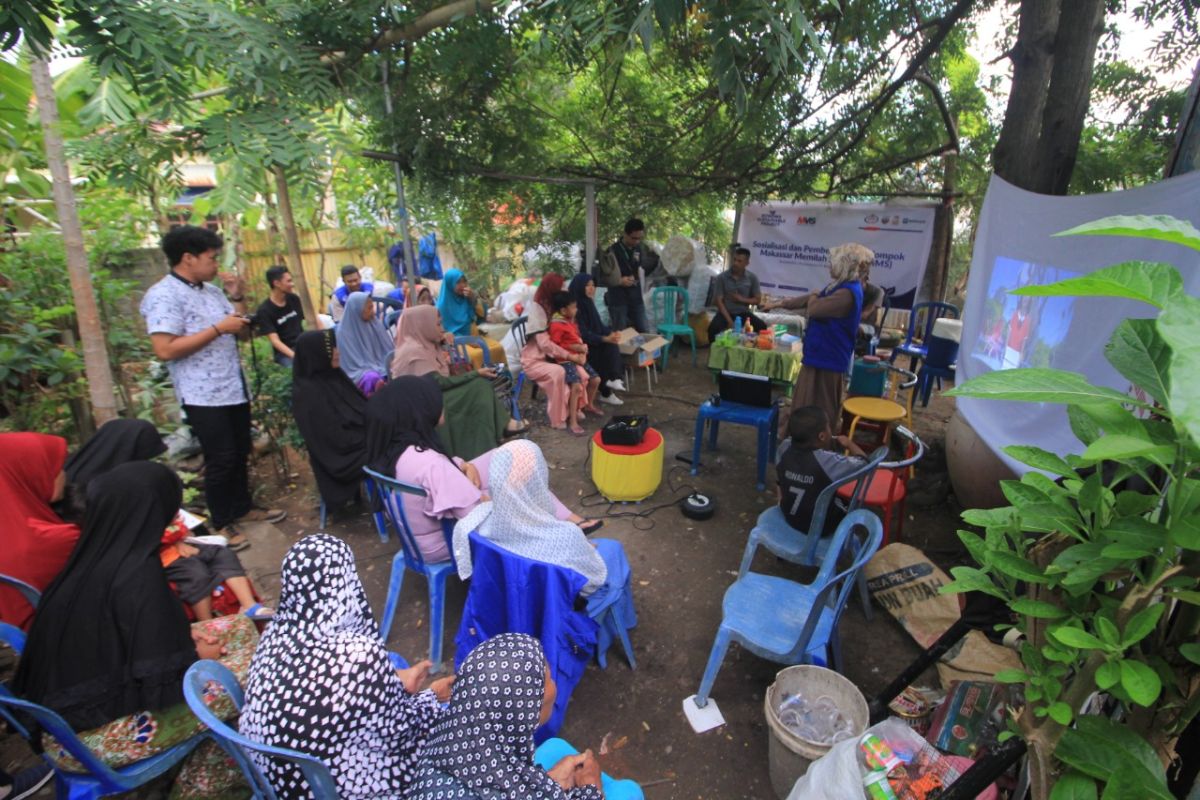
[(624, 473)]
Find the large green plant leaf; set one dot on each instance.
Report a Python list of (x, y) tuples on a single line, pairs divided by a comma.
[(1179, 326), (1140, 354), (1099, 747), (1038, 458), (1160, 227), (1119, 447), (1037, 385), (1074, 786), (1150, 282)]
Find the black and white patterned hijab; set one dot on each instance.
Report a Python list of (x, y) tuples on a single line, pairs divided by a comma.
[(484, 747), (321, 682)]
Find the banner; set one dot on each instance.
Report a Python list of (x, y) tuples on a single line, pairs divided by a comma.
[(1015, 246), (789, 244)]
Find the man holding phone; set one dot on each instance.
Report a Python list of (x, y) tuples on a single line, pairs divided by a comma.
[(194, 327)]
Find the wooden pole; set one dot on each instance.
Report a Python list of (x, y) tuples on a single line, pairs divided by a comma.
[(87, 314), (589, 256), (293, 244)]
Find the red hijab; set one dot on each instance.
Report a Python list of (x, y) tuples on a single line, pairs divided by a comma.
[(551, 285), (34, 541)]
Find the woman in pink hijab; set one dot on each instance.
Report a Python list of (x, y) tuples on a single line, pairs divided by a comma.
[(476, 419)]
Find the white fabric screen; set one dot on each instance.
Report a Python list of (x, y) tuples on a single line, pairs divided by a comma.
[(1015, 246)]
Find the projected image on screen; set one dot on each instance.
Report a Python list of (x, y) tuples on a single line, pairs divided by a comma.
[(1022, 331)]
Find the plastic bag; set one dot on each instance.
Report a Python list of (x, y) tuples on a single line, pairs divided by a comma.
[(838, 775)]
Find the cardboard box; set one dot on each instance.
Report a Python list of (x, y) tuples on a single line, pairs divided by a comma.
[(644, 347)]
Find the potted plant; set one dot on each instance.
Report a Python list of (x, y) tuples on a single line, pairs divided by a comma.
[(1098, 555)]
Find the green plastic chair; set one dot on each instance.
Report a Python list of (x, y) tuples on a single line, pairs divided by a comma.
[(670, 308)]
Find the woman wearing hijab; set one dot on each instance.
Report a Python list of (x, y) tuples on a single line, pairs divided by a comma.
[(483, 747), (833, 317), (540, 356), (403, 441), (364, 347), (196, 570), (321, 683), (110, 643), (603, 353), (461, 310), (35, 542), (421, 297), (520, 517), (476, 418), (330, 413)]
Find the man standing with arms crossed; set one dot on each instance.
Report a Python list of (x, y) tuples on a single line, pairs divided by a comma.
[(194, 328)]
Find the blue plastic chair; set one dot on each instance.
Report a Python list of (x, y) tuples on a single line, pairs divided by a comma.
[(790, 622), (670, 309), (810, 549), (198, 676), (920, 328), (940, 357), (462, 354), (765, 420), (409, 557), (518, 371), (14, 637), (99, 779), (31, 595), (371, 493), (553, 750)]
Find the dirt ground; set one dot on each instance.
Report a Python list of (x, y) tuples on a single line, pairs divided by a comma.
[(633, 719)]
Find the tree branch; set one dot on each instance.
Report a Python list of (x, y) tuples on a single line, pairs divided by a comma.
[(430, 21)]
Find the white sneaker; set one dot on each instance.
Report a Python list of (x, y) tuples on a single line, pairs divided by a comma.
[(617, 385), (612, 400)]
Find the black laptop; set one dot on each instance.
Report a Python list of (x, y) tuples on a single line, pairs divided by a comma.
[(744, 388)]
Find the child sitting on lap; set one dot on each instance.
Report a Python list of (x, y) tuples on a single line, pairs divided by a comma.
[(564, 332), (807, 467)]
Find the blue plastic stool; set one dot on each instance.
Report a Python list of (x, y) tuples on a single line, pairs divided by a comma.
[(551, 751), (766, 420)]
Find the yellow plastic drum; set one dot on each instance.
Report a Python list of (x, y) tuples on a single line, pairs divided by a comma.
[(628, 473)]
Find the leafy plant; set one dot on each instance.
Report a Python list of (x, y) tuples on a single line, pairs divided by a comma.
[(1102, 563)]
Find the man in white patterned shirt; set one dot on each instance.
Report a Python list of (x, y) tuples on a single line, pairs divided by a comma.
[(194, 327)]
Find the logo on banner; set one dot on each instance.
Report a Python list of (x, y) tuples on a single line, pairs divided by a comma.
[(770, 219), (802, 220), (871, 219)]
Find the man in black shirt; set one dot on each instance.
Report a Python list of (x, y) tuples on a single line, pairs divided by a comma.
[(807, 467), (618, 271), (280, 316)]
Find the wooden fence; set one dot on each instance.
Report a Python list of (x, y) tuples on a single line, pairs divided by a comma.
[(322, 255)]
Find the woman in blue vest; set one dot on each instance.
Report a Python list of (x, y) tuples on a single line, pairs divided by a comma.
[(833, 317)]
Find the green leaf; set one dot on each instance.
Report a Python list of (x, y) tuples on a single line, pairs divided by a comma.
[(1010, 676), (1190, 651), (1141, 624), (1060, 712), (1076, 637), (1145, 281), (1157, 227), (1037, 385), (1015, 566), (1098, 747), (1119, 447), (975, 546), (1132, 504), (1050, 518), (1179, 326), (1140, 682), (1139, 353), (1039, 609), (969, 579), (1038, 458), (1108, 631), (990, 517), (1108, 675), (1083, 426), (1073, 785)]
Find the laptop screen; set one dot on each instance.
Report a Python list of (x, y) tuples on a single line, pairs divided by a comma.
[(744, 388)]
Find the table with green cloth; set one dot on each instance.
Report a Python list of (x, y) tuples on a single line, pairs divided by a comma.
[(780, 366)]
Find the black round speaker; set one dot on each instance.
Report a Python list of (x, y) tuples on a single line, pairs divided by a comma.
[(698, 506)]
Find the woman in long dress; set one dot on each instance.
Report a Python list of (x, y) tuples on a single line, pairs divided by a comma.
[(476, 417), (540, 356), (833, 317)]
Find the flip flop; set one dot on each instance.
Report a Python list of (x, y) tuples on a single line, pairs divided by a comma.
[(237, 546), (259, 613), (578, 432), (516, 431), (589, 529)]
